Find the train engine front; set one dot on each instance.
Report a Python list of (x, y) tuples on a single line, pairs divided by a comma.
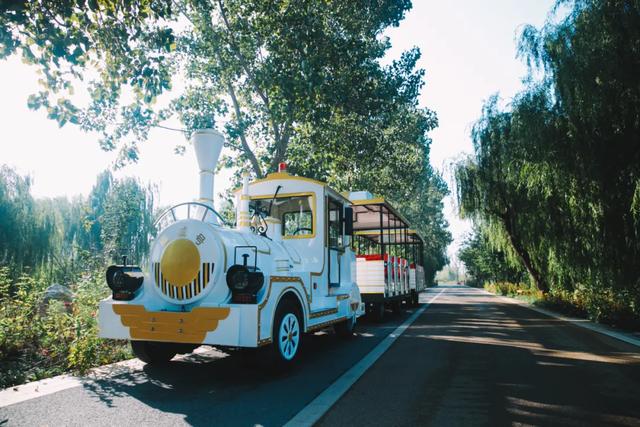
[(198, 285)]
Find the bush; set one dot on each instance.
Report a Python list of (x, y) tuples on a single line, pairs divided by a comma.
[(520, 290), (36, 344), (600, 305)]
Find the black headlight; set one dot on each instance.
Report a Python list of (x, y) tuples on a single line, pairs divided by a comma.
[(244, 283), (124, 281)]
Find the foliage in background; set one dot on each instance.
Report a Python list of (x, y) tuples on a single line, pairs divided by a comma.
[(271, 69), (69, 242), (487, 263), (555, 178), (24, 229)]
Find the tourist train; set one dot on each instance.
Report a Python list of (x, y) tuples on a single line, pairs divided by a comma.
[(301, 257)]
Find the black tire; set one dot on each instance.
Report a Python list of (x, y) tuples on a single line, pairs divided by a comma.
[(397, 307), (416, 299), (250, 356), (154, 352), (284, 352), (346, 328), (185, 348), (378, 311)]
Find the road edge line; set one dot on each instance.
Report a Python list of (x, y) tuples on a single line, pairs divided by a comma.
[(319, 406), (583, 323)]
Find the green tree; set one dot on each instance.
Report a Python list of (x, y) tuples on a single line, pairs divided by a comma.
[(127, 221), (555, 176), (24, 230), (486, 263), (115, 219), (271, 68)]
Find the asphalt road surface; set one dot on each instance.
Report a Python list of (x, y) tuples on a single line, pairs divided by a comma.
[(468, 359)]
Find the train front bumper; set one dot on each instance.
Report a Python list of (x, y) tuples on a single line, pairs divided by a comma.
[(233, 325)]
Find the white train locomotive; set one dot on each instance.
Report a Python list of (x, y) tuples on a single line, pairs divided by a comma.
[(287, 268)]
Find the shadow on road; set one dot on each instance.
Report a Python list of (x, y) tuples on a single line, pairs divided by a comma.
[(471, 360), (222, 388)]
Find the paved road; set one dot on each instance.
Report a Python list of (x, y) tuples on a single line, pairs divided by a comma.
[(472, 359), (469, 359)]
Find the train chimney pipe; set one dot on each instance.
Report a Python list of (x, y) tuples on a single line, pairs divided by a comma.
[(243, 218), (208, 145)]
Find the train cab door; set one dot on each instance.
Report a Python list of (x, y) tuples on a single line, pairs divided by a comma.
[(335, 243)]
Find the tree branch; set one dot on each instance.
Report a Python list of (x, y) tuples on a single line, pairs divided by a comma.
[(243, 62), (282, 142), (243, 140), (277, 134)]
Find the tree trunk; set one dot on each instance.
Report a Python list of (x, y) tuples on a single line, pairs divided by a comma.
[(281, 144), (524, 256)]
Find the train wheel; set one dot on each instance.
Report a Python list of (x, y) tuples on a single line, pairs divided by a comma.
[(154, 352), (397, 307), (347, 328), (287, 334), (378, 311)]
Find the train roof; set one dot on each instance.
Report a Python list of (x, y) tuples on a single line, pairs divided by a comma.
[(285, 176), (376, 218), (387, 236)]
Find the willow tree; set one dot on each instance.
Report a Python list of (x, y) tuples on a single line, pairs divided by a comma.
[(492, 191), (590, 60), (24, 230), (556, 175), (486, 263)]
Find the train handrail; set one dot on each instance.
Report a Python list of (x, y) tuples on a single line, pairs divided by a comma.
[(172, 210)]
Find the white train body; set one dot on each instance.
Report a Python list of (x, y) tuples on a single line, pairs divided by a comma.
[(305, 258), (389, 254)]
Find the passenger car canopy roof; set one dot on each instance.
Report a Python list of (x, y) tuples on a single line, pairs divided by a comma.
[(376, 219), (389, 237)]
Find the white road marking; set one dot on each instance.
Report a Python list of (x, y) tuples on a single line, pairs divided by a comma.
[(35, 389), (583, 323), (311, 413)]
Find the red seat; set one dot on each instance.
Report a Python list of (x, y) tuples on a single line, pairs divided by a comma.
[(372, 257)]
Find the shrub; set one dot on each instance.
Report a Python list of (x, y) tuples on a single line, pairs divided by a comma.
[(600, 305), (521, 290), (35, 344)]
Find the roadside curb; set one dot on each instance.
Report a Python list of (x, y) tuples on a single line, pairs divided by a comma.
[(46, 386), (583, 323)]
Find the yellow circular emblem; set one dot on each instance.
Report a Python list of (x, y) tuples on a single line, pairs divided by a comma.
[(180, 262)]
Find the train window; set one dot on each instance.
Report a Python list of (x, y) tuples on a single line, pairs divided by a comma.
[(296, 213), (335, 224), (297, 223)]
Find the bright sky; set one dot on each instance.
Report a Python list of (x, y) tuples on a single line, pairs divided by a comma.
[(468, 50)]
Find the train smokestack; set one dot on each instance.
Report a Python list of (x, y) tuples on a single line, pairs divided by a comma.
[(208, 145)]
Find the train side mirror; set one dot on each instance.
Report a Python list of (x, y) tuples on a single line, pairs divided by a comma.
[(348, 221)]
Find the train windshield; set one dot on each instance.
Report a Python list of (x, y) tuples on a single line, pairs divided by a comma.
[(295, 214)]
